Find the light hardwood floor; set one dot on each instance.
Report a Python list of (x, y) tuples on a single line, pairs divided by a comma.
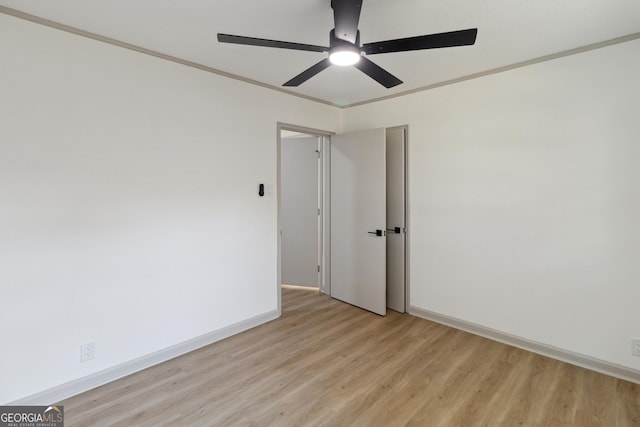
[(328, 363)]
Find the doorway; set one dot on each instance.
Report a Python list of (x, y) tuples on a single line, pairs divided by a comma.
[(300, 209), (396, 183), (305, 215), (302, 205)]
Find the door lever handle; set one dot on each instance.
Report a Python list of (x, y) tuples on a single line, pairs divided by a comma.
[(378, 233), (397, 230)]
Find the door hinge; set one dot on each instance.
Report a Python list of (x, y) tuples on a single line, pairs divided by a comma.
[(318, 269), (318, 211)]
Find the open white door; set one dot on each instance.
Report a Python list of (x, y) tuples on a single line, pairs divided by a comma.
[(358, 219)]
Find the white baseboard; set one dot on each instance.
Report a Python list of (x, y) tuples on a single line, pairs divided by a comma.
[(72, 388), (583, 361)]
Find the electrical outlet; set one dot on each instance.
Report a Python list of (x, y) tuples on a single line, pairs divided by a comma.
[(87, 352), (635, 347)]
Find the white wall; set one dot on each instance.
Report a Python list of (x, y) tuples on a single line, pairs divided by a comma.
[(524, 196), (129, 213)]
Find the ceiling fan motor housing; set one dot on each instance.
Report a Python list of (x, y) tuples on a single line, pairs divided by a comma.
[(343, 52), (337, 43)]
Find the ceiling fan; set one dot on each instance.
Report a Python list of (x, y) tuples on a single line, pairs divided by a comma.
[(345, 49)]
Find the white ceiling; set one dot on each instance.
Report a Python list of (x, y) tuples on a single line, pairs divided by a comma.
[(509, 32)]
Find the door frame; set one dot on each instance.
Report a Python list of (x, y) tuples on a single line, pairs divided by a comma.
[(325, 209), (325, 200)]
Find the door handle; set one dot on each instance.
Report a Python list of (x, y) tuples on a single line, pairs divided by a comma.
[(396, 230), (378, 233)]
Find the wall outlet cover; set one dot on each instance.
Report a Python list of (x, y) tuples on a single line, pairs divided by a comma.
[(87, 352), (635, 347)]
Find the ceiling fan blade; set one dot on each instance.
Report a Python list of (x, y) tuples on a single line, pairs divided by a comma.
[(252, 41), (431, 41), (377, 73), (346, 15), (308, 73)]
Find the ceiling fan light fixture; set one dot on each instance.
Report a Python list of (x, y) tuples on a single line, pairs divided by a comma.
[(344, 57)]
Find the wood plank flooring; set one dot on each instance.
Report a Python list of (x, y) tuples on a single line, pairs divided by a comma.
[(325, 363)]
